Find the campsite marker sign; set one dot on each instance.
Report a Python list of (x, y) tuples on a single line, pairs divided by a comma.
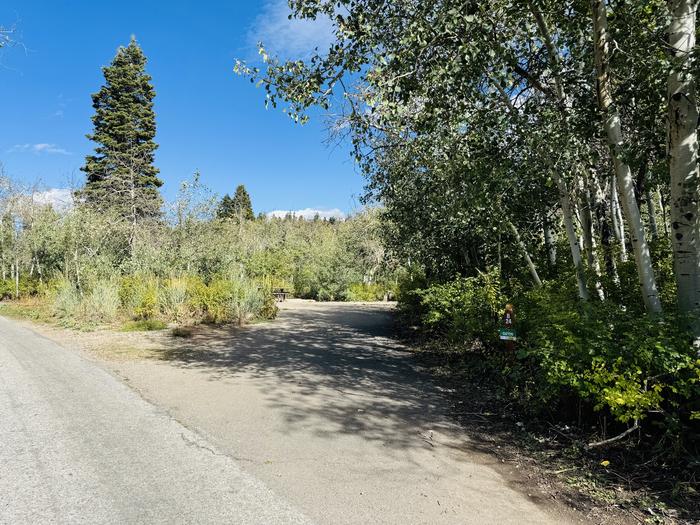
[(507, 331)]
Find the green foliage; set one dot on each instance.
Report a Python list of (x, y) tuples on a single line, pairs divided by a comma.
[(614, 360), (174, 299), (365, 292), (622, 362), (28, 286), (226, 300), (97, 305), (461, 310), (144, 325), (139, 295)]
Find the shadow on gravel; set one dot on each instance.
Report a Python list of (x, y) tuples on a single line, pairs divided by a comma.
[(309, 355)]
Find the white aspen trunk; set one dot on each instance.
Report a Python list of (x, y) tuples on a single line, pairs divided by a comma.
[(564, 198), (603, 213), (613, 129), (500, 262), (568, 217), (16, 279), (653, 228), (613, 210), (683, 157), (588, 237), (619, 223), (528, 260), (550, 241), (664, 215), (77, 272)]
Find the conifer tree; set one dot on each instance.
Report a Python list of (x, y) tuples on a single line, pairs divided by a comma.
[(120, 174), (242, 205), (238, 207), (226, 210)]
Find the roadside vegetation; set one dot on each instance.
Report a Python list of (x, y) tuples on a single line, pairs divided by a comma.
[(542, 154), (117, 255), (87, 269)]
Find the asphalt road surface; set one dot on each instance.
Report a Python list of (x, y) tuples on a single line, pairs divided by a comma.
[(78, 446)]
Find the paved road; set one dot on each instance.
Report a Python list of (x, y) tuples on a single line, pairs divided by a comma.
[(78, 446)]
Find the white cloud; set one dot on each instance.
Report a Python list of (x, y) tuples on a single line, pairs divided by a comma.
[(60, 199), (289, 38), (309, 213), (49, 149)]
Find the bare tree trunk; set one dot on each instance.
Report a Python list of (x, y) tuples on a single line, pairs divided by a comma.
[(683, 157), (500, 261), (526, 255), (568, 217), (653, 228), (602, 213), (613, 129), (16, 279), (619, 221), (564, 197), (550, 241), (664, 214), (77, 272), (588, 236)]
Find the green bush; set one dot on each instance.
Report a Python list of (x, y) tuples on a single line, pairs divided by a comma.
[(28, 286), (144, 325), (66, 299), (101, 303), (139, 296), (227, 300), (174, 300), (617, 361), (365, 292), (622, 362), (463, 309)]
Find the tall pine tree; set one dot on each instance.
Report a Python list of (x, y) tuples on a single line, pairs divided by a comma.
[(237, 207), (120, 174)]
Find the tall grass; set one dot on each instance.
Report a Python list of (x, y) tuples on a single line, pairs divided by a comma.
[(182, 300)]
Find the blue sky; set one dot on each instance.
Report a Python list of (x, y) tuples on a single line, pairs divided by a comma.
[(208, 118)]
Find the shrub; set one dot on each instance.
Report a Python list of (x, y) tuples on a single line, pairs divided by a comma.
[(627, 364), (228, 300), (365, 292), (465, 308), (144, 325), (28, 286), (101, 303), (174, 300), (139, 296), (614, 360), (66, 299)]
